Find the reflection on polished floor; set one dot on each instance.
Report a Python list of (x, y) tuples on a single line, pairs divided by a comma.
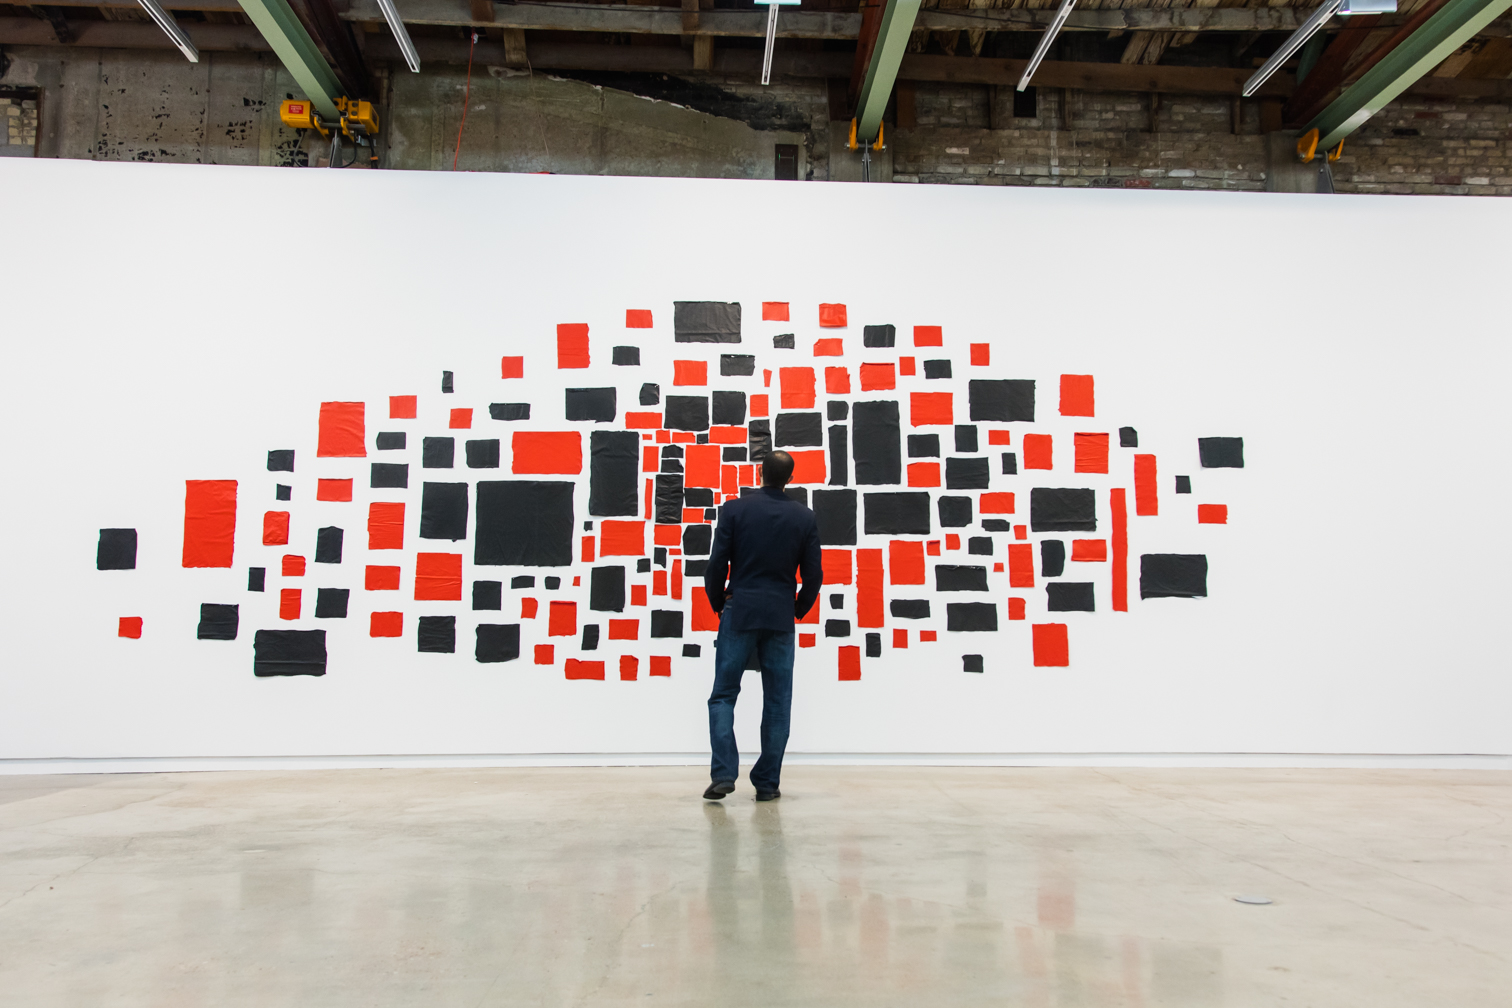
[(887, 886)]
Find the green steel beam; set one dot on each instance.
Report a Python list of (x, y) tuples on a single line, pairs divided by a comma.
[(293, 45), (1454, 25), (882, 73)]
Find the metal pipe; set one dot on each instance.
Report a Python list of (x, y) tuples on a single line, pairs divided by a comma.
[(401, 34), (771, 44), (1044, 45), (171, 29), (1296, 40)]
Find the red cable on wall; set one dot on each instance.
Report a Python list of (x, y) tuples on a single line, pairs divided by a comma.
[(466, 95)]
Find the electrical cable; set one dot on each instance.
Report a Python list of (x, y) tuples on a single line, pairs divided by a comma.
[(466, 96)]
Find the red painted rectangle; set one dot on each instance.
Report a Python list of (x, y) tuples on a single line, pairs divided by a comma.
[(837, 381), (638, 594), (1016, 608), (1089, 550), (386, 624), (1146, 493), (547, 451), (438, 577), (905, 366), (952, 541), (905, 560), (642, 421), (572, 345), (701, 467), (1076, 398), (661, 665), (658, 582), (837, 566), (677, 578), (210, 523), (981, 354), (728, 476), (293, 566), (869, 587), (624, 629), (878, 377), (807, 640), (850, 663), (829, 348), (747, 475), (932, 547), (692, 516), (129, 626), (629, 668), (529, 608), (797, 386), (760, 404), (1091, 453), (461, 419), (576, 668), (703, 616), (808, 466), (587, 551), (275, 529), (996, 503), (1118, 508), (288, 603), (511, 367), (385, 525), (333, 490), (622, 538), (1000, 437), (925, 408), (1051, 648), (562, 619), (650, 459), (727, 435), (1039, 451), (663, 437), (684, 437), (774, 311), (343, 430), (545, 654), (381, 578), (1212, 514), (926, 636), (832, 316), (1021, 565), (928, 335), (923, 474), (403, 407), (637, 318), (690, 372), (667, 535), (900, 638)]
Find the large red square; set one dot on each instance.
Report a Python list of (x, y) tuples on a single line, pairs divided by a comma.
[(832, 316), (690, 372), (402, 407), (926, 408)]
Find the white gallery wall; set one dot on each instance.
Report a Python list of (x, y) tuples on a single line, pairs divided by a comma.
[(169, 323)]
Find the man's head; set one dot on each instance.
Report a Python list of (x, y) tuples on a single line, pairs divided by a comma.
[(776, 469)]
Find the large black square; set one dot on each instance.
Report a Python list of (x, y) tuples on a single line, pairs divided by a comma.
[(483, 454), (389, 475), (591, 404), (796, 430), (1221, 452), (897, 513), (438, 452), (288, 652), (737, 364), (1173, 575), (437, 634), (626, 356), (497, 642), (923, 446), (729, 408), (687, 413), (488, 595), (1002, 400), (955, 512), (967, 474), (1062, 510), (706, 321), (218, 622), (666, 623), (1069, 596), (117, 549), (331, 603), (879, 336)]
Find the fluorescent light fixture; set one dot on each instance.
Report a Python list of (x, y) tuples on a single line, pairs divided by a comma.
[(1296, 40), (771, 36), (171, 29), (401, 34), (1044, 46), (1368, 7)]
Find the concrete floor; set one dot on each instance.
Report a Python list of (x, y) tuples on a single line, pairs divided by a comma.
[(1040, 888)]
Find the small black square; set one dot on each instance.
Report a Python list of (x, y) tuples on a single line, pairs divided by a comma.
[(692, 650), (438, 452), (626, 356), (670, 465), (996, 525), (446, 382), (711, 514), (784, 342), (388, 475), (522, 581), (923, 446), (1128, 437), (437, 634), (798, 430), (331, 603), (1173, 575), (737, 364), (967, 473), (650, 394), (590, 637), (971, 663), (666, 623), (282, 492), (595, 405), (733, 455), (659, 556), (979, 545), (392, 440), (257, 578), (909, 608), (955, 512), (837, 409), (1062, 510), (686, 413), (1221, 452), (728, 408), (966, 438), (587, 526), (968, 617), (672, 451), (328, 543), (281, 460), (552, 583), (879, 336), (1010, 463), (837, 628), (1069, 596), (1183, 484), (697, 540), (218, 622), (643, 565), (837, 601), (937, 369), (1052, 558), (874, 645), (483, 454), (497, 642), (509, 410), (488, 595), (116, 550), (695, 568)]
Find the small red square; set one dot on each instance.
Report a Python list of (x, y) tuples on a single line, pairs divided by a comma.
[(905, 365), (629, 668), (333, 490), (929, 335), (637, 594), (981, 354), (926, 635), (386, 624), (1015, 608), (806, 639), (952, 541), (1212, 514), (624, 629), (774, 311), (637, 318), (461, 419), (545, 654), (293, 566), (832, 316), (381, 579), (661, 665), (932, 547), (288, 603), (129, 626), (690, 372), (829, 348), (1021, 531), (1001, 437), (402, 407), (997, 568), (512, 367), (667, 535), (1089, 550), (924, 474), (900, 638)]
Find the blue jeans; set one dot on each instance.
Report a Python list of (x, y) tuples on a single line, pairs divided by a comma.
[(774, 650)]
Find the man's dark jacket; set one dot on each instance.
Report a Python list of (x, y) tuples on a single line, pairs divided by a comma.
[(763, 539)]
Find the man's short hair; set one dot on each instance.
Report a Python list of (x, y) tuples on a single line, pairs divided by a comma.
[(777, 468)]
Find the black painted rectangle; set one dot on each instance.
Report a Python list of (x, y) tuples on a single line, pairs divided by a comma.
[(937, 369), (967, 473), (483, 454), (698, 497), (218, 622), (666, 623), (955, 512), (1052, 558), (281, 460), (695, 568), (509, 410), (839, 455), (438, 452), (328, 543), (966, 438), (388, 475), (799, 430), (737, 364), (281, 492), (759, 439), (979, 545), (1128, 437), (650, 394), (117, 549), (955, 577), (257, 578), (1173, 575), (288, 652), (1010, 463), (590, 639), (1184, 484), (837, 628), (625, 356), (692, 650), (1221, 452), (728, 454), (798, 494), (706, 321), (525, 523), (392, 440), (437, 634), (784, 341), (1070, 596), (613, 473), (996, 525), (971, 663), (879, 336), (1001, 400), (923, 446), (971, 616), (669, 498), (488, 595), (331, 603), (497, 642), (878, 447), (686, 413), (874, 645), (698, 539), (606, 589), (835, 511), (522, 581), (729, 408), (836, 409), (443, 511), (903, 608), (1062, 510), (597, 405), (897, 513), (446, 382)]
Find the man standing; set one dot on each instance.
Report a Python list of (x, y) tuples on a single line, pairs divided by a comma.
[(761, 541)]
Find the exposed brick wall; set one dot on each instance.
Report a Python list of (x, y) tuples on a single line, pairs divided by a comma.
[(1433, 147)]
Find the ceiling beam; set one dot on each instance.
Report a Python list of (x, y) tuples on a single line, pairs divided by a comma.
[(1454, 24), (893, 29), (1328, 73), (287, 37)]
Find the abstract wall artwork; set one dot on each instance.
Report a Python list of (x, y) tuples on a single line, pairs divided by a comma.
[(520, 515)]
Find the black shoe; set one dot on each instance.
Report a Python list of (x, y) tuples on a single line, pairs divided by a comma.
[(719, 789), (768, 795)]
